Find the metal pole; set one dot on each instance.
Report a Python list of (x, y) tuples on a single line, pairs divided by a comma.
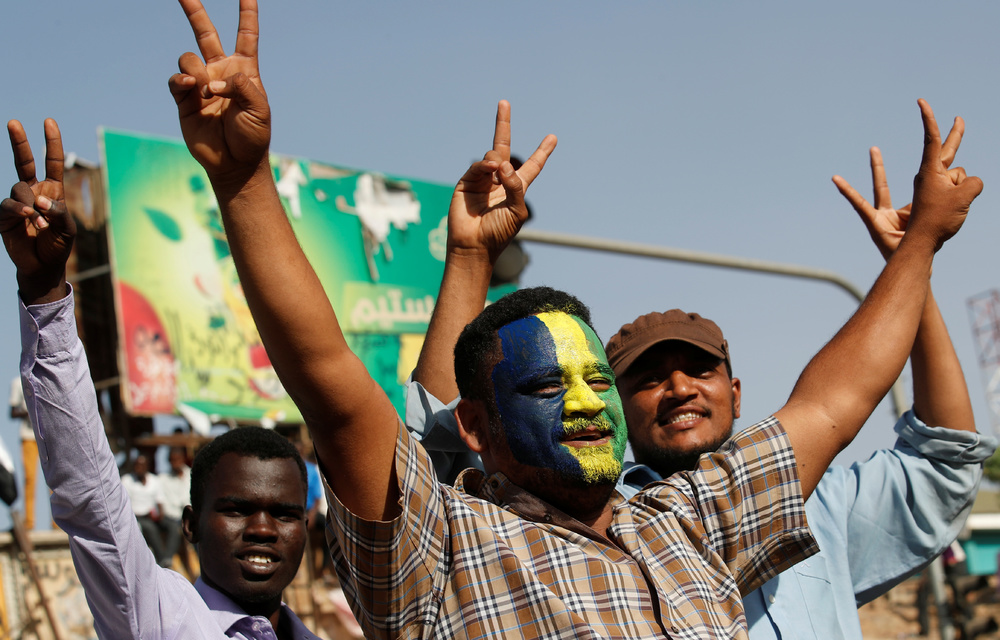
[(896, 394)]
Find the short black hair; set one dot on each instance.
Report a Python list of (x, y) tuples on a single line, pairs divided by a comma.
[(476, 346), (251, 442)]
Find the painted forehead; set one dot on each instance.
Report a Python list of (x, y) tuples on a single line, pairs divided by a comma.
[(551, 340)]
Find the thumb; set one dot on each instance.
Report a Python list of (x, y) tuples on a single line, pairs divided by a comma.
[(57, 217), (973, 186), (514, 188), (250, 99)]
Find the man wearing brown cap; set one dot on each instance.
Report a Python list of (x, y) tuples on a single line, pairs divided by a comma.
[(876, 522)]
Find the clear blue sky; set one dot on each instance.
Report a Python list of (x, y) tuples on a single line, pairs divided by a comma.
[(707, 126)]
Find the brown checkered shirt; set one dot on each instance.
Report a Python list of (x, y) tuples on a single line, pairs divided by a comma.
[(487, 559)]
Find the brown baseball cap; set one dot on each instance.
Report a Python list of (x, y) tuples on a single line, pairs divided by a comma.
[(633, 339)]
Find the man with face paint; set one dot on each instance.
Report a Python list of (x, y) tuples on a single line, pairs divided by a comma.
[(491, 558), (680, 400)]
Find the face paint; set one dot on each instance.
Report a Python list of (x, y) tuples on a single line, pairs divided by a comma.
[(556, 398)]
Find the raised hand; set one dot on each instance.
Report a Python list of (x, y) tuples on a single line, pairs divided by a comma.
[(221, 103), (487, 207), (941, 197), (37, 229), (885, 224)]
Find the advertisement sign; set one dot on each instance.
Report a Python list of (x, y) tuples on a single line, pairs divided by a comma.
[(186, 337)]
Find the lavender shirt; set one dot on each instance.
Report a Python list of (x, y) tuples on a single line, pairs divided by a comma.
[(129, 595)]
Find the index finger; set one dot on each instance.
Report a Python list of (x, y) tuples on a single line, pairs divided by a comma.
[(24, 162), (501, 133), (932, 138), (951, 143), (248, 32), (879, 184), (534, 165), (54, 160), (204, 31)]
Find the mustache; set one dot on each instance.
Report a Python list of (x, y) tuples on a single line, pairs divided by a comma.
[(577, 425)]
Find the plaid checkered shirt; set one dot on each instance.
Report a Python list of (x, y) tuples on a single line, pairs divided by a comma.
[(487, 559)]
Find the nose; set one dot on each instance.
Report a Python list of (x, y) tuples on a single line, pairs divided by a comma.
[(580, 399), (260, 526), (679, 385)]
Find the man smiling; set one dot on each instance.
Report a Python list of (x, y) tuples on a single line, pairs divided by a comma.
[(876, 522), (490, 558), (248, 486), (581, 433)]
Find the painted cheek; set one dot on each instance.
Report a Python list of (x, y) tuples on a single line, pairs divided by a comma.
[(616, 414)]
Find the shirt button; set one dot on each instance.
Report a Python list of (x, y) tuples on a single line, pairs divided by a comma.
[(770, 598), (674, 629), (27, 392), (547, 518), (34, 329)]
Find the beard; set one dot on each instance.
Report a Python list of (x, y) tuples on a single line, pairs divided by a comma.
[(571, 493), (667, 462)]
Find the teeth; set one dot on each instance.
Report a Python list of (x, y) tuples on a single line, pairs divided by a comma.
[(690, 415), (259, 559)]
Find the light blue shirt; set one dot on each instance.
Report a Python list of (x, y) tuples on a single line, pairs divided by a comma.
[(128, 593), (877, 522)]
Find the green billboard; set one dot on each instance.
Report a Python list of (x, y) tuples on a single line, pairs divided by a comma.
[(186, 336)]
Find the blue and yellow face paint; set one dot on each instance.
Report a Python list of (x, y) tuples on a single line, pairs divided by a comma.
[(556, 398)]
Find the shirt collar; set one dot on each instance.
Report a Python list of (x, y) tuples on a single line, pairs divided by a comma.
[(638, 475), (499, 490), (229, 614)]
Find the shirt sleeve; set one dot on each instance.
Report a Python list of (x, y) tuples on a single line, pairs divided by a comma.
[(747, 501), (899, 509), (433, 424), (394, 572), (128, 594)]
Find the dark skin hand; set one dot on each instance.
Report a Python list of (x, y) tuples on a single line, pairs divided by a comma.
[(221, 102), (37, 229)]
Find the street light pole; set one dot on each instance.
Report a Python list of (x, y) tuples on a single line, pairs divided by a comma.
[(897, 396)]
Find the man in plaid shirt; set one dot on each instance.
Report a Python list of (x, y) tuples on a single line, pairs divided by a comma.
[(541, 545)]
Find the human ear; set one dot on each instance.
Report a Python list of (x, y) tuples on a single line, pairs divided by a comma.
[(737, 394), (189, 526), (473, 423)]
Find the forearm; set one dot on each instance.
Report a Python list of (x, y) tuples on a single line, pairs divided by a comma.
[(940, 394), (845, 381), (461, 297), (352, 422), (282, 290), (88, 500)]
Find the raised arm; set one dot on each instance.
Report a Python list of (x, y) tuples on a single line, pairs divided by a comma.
[(844, 382), (487, 210), (88, 500), (225, 119), (940, 395)]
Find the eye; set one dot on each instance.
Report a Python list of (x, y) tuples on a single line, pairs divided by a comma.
[(546, 388), (647, 381), (288, 515), (600, 384)]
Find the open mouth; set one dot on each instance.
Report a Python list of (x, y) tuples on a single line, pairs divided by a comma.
[(259, 562), (588, 435), (687, 416)]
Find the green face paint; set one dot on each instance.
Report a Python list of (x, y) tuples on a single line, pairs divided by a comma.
[(556, 398)]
